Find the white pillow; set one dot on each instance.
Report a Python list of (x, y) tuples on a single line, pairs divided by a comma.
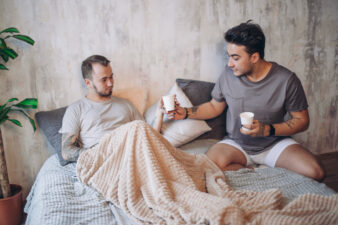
[(178, 132)]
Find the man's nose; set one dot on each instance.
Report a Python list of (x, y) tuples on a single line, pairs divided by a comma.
[(230, 64), (110, 82)]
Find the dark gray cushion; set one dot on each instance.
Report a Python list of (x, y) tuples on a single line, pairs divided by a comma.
[(199, 92), (50, 123)]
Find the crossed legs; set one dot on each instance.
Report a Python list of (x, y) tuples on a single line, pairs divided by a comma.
[(294, 157)]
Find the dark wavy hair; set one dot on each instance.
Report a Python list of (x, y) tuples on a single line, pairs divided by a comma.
[(248, 34), (87, 67)]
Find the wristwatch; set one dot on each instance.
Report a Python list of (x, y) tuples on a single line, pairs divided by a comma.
[(186, 113), (272, 130)]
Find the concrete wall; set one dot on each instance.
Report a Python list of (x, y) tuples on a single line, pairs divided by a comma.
[(150, 44)]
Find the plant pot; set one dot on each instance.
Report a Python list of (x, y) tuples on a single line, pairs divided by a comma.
[(11, 207)]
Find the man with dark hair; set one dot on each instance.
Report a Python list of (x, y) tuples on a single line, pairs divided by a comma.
[(270, 91), (88, 119), (87, 67)]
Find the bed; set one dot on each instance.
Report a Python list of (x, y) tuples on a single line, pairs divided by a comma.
[(58, 197)]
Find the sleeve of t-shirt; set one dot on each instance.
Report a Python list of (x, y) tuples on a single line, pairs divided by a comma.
[(71, 120), (295, 95), (216, 93)]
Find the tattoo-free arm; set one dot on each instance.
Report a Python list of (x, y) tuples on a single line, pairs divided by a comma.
[(71, 147)]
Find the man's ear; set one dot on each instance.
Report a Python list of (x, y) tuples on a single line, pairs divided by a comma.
[(254, 57), (88, 82)]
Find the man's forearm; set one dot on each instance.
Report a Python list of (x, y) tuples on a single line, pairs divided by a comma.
[(289, 127), (71, 147), (206, 110), (298, 123)]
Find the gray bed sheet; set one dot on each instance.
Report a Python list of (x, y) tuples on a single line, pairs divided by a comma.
[(57, 196)]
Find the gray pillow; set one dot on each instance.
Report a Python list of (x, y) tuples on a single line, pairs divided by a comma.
[(50, 123), (199, 92)]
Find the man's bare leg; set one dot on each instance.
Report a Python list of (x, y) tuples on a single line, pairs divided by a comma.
[(226, 157), (300, 160)]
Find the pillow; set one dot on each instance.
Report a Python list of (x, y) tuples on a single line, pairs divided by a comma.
[(50, 123), (137, 96), (200, 92), (178, 132)]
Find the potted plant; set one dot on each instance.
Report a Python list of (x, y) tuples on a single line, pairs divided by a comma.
[(11, 195)]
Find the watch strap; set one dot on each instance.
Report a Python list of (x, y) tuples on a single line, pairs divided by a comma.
[(186, 113), (272, 130)]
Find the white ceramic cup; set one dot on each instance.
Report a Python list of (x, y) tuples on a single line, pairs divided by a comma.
[(246, 119), (169, 102)]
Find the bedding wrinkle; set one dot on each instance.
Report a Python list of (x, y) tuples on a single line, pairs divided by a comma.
[(137, 170)]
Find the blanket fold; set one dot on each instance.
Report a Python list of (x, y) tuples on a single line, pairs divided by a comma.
[(154, 183)]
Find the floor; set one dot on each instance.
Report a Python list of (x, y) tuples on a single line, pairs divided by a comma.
[(330, 164)]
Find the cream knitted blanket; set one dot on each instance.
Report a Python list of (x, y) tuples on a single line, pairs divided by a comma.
[(154, 183)]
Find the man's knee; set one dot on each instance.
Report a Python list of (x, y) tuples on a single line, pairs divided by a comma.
[(300, 160), (224, 155), (317, 172), (218, 158)]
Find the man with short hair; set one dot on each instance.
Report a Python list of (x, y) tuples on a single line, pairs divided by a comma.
[(90, 118), (271, 91)]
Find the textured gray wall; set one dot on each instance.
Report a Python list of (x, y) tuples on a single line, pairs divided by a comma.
[(153, 42)]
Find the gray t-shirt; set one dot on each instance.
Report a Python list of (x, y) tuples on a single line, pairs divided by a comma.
[(92, 119), (270, 100)]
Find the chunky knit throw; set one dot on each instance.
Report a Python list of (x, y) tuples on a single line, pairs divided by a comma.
[(154, 183)]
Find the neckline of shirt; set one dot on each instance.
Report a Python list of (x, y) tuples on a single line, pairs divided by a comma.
[(273, 66), (99, 103)]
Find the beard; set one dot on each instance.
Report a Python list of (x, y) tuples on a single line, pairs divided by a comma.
[(103, 94)]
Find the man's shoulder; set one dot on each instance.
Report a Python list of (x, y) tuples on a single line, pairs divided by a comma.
[(78, 105), (284, 75), (282, 70)]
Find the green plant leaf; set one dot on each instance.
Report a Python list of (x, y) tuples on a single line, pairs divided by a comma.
[(2, 43), (4, 56), (4, 111), (2, 120), (16, 122), (32, 123), (26, 115), (24, 38), (10, 30), (3, 114), (2, 67), (10, 52), (2, 106), (28, 103), (13, 99), (3, 46)]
